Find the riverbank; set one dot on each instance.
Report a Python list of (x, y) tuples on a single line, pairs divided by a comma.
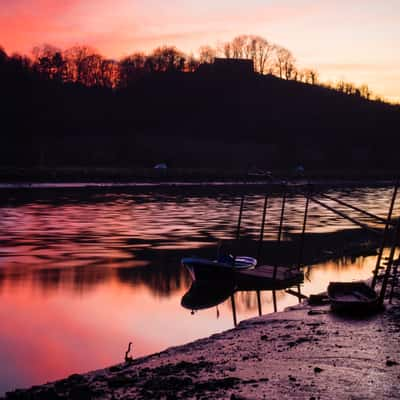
[(302, 353), (132, 176)]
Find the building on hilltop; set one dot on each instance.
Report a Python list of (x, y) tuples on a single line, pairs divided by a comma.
[(228, 66)]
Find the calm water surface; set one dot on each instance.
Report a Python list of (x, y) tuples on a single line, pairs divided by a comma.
[(83, 272)]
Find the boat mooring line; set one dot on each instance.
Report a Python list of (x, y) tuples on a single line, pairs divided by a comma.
[(345, 216), (376, 217)]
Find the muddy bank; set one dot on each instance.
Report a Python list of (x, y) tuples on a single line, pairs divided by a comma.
[(302, 353)]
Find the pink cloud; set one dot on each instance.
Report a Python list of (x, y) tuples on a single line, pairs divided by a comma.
[(317, 32), (117, 28)]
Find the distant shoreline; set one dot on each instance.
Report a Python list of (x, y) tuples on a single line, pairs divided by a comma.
[(137, 177), (167, 184)]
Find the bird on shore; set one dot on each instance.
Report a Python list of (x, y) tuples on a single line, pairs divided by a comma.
[(128, 358)]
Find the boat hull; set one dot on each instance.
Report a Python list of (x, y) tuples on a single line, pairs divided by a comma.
[(202, 295), (352, 297)]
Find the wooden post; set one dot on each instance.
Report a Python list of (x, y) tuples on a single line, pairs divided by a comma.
[(235, 250), (240, 218), (274, 300), (303, 231), (259, 303), (281, 218), (280, 229), (394, 281), (384, 238), (234, 309), (260, 243), (299, 290), (261, 239)]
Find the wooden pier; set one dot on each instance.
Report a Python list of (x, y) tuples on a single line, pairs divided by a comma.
[(268, 277)]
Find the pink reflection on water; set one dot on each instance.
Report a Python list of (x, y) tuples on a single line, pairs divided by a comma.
[(79, 279), (55, 334)]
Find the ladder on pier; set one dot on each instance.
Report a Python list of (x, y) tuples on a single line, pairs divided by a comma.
[(387, 268)]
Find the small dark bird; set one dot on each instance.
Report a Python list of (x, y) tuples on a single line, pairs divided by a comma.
[(128, 358)]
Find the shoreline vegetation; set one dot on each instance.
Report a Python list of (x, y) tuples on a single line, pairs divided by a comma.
[(304, 352), (189, 175)]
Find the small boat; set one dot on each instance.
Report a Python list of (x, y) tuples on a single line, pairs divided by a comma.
[(352, 297), (202, 269), (202, 295)]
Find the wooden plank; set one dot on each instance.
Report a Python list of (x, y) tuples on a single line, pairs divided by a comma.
[(296, 294), (267, 272)]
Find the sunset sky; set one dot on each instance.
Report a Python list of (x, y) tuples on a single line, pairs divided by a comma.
[(355, 40)]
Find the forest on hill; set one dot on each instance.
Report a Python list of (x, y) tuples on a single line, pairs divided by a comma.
[(75, 108)]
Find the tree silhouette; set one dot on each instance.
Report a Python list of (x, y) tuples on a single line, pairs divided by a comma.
[(77, 62), (49, 61), (284, 63), (132, 68), (59, 110), (167, 59), (207, 54), (84, 65)]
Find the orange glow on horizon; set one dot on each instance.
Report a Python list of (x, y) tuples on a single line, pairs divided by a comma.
[(355, 42)]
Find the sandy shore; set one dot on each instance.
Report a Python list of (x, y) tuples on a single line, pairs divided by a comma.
[(302, 353)]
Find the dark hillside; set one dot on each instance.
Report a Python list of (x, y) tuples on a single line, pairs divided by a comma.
[(192, 120)]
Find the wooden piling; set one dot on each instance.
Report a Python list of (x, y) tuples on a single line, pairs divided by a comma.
[(303, 231), (261, 239), (234, 310), (280, 226)]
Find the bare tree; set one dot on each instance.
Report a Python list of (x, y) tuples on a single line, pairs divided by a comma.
[(76, 62), (110, 73), (256, 48), (192, 63), (340, 86), (131, 68), (284, 63), (90, 70), (262, 54), (167, 58), (310, 76), (347, 88), (365, 92), (251, 47), (225, 50), (49, 61), (207, 54), (238, 46), (3, 55)]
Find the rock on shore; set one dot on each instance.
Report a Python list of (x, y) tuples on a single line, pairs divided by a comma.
[(301, 353)]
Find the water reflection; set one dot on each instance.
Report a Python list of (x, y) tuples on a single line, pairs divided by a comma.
[(247, 304), (206, 295), (83, 273)]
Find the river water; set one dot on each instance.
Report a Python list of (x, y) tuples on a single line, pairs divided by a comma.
[(85, 271)]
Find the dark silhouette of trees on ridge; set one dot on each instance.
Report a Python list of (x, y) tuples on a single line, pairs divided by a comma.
[(84, 65), (74, 107)]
